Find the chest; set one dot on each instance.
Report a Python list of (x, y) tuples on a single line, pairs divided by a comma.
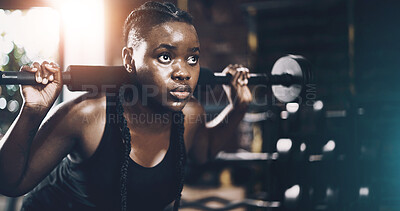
[(148, 150), (147, 185)]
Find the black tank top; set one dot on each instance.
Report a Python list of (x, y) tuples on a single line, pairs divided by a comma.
[(94, 184)]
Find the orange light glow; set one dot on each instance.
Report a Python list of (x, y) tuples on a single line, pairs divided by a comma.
[(83, 33)]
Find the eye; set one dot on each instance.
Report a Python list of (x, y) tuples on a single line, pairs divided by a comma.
[(164, 58), (192, 60)]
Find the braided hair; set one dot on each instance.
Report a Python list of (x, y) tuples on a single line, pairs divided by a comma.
[(181, 160), (126, 139), (137, 25), (141, 20), (178, 118)]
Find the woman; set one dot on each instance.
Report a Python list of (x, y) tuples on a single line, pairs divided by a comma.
[(94, 152)]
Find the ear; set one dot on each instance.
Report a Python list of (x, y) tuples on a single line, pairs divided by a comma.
[(127, 59)]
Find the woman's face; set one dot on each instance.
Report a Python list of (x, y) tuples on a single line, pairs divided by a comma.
[(167, 64)]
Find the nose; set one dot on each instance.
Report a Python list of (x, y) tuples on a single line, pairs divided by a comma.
[(180, 73)]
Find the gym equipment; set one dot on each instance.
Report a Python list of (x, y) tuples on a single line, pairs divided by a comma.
[(288, 77)]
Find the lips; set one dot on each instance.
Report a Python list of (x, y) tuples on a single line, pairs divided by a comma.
[(181, 92)]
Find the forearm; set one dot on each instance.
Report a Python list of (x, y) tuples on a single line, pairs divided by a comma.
[(221, 129), (213, 136), (15, 146)]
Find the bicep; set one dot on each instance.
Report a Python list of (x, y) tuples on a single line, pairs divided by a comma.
[(52, 142)]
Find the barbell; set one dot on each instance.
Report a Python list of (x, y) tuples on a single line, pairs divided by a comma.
[(288, 77)]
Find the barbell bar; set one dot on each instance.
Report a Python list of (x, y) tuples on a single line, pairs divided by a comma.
[(288, 77)]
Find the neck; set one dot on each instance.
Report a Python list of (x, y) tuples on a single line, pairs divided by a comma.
[(145, 118)]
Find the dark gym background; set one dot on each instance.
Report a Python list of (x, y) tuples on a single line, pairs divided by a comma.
[(343, 141)]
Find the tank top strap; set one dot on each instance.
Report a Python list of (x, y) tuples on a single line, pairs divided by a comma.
[(177, 131), (110, 135)]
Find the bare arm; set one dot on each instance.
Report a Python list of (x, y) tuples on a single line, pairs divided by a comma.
[(209, 138), (21, 132), (26, 155)]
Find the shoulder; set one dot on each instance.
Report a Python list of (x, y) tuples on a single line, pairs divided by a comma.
[(87, 105), (74, 115), (194, 122), (194, 112), (196, 133), (81, 119)]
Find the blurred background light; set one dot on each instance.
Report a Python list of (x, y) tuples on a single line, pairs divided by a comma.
[(292, 107), (329, 192), (6, 44), (283, 145), (284, 114), (35, 29), (4, 59), (303, 147), (27, 35), (318, 105), (13, 106), (364, 191), (84, 34), (3, 103), (293, 192), (11, 89), (360, 111), (314, 158), (329, 146)]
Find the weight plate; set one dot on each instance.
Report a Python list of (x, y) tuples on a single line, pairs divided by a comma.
[(290, 64)]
